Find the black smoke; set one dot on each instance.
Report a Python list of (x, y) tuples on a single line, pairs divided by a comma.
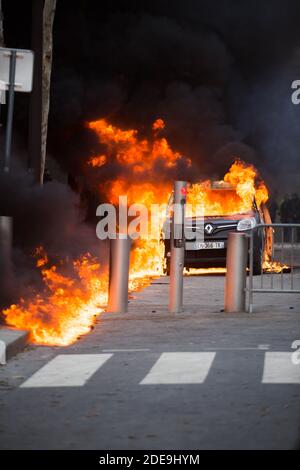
[(52, 217), (219, 73)]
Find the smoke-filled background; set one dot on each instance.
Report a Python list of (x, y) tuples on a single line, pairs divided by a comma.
[(218, 72)]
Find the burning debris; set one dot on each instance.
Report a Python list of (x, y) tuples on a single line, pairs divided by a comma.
[(203, 271), (272, 266), (97, 161)]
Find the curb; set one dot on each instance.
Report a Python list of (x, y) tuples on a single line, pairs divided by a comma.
[(12, 341)]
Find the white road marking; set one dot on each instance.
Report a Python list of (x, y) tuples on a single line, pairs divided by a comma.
[(74, 370), (264, 346), (67, 370), (125, 350), (235, 349), (180, 368), (279, 369)]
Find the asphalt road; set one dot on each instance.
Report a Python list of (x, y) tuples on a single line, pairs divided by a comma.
[(150, 380)]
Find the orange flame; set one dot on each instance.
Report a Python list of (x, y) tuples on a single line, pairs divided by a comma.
[(273, 266), (41, 256), (70, 302), (97, 161), (203, 271), (238, 189), (68, 306), (140, 154), (158, 125)]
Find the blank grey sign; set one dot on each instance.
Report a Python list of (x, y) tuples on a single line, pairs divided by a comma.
[(24, 69)]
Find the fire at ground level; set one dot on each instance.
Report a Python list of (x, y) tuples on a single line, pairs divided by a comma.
[(68, 305), (78, 314)]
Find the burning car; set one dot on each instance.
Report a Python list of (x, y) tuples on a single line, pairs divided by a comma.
[(225, 209)]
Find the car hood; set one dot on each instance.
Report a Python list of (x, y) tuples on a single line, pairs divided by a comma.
[(215, 220), (225, 218)]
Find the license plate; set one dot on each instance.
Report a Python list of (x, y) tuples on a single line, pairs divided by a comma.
[(205, 245)]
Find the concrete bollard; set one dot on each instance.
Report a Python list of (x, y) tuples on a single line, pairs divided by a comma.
[(177, 249), (119, 274), (6, 267), (236, 275)]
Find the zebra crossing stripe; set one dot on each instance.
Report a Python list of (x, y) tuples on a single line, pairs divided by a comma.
[(74, 370), (67, 370), (279, 369), (180, 368)]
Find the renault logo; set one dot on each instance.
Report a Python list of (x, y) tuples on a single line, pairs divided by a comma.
[(209, 229)]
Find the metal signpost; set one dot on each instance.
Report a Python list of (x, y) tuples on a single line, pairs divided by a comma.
[(177, 248), (16, 70)]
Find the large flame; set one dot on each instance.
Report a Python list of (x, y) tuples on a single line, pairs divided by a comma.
[(67, 307), (70, 302), (232, 195), (140, 154), (148, 161)]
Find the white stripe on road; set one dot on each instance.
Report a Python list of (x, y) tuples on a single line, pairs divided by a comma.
[(126, 350), (279, 369), (67, 370), (180, 368)]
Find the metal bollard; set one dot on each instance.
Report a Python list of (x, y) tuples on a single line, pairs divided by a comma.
[(236, 275), (119, 274), (6, 268), (177, 249)]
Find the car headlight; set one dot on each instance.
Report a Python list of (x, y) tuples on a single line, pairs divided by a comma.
[(246, 224)]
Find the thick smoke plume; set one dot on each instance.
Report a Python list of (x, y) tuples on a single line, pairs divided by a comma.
[(218, 73), (51, 217)]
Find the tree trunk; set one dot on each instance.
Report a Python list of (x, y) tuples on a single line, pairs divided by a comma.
[(35, 109), (48, 18), (1, 26), (42, 22), (2, 93)]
